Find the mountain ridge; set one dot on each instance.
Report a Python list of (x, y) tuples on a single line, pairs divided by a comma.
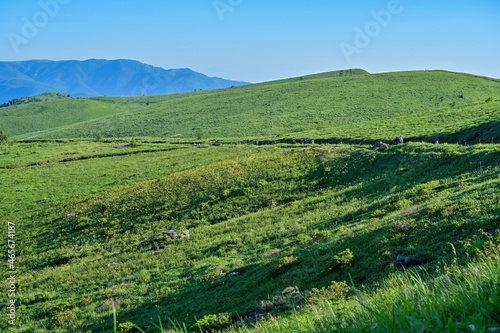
[(99, 77)]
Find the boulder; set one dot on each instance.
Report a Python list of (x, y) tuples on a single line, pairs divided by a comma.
[(171, 233), (231, 275), (407, 262), (379, 145)]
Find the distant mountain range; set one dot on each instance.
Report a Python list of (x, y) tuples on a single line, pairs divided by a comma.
[(90, 78)]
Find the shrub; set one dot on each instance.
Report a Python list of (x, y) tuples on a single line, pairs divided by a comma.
[(99, 137), (211, 323), (127, 327), (401, 204), (144, 276), (336, 291), (133, 143), (342, 259), (321, 234), (302, 239), (3, 138), (66, 317), (289, 299), (378, 213), (286, 261)]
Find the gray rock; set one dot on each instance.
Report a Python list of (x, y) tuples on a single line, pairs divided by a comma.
[(231, 275), (171, 233), (379, 145), (407, 262)]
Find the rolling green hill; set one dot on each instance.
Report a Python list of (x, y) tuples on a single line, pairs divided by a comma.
[(155, 234), (358, 106)]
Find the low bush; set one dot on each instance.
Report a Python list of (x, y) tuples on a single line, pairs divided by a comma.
[(342, 259), (212, 323)]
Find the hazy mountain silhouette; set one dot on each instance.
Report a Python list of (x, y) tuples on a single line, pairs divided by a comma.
[(94, 77)]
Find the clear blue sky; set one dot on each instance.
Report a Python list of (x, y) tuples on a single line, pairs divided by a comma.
[(258, 40)]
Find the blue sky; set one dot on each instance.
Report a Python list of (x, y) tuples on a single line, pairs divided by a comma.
[(257, 40)]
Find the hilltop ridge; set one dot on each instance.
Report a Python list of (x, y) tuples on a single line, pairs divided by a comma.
[(342, 106)]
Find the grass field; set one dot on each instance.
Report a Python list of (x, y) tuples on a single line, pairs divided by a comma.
[(303, 237), (359, 107)]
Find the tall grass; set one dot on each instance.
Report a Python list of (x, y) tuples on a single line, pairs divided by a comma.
[(460, 299)]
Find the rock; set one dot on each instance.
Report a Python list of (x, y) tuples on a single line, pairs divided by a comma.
[(185, 234), (231, 275), (379, 145), (407, 262), (171, 233), (70, 215), (256, 314)]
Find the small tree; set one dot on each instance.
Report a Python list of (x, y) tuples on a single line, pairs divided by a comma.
[(3, 138)]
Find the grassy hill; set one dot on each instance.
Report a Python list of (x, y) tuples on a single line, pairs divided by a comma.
[(277, 215), (359, 106), (303, 237)]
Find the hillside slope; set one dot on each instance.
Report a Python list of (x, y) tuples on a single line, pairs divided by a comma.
[(354, 108), (303, 236), (276, 215)]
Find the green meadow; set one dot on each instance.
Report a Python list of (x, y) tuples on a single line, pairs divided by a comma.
[(204, 212)]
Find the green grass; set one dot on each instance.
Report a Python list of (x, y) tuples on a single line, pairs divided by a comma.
[(246, 208), (360, 107), (310, 232), (462, 299)]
